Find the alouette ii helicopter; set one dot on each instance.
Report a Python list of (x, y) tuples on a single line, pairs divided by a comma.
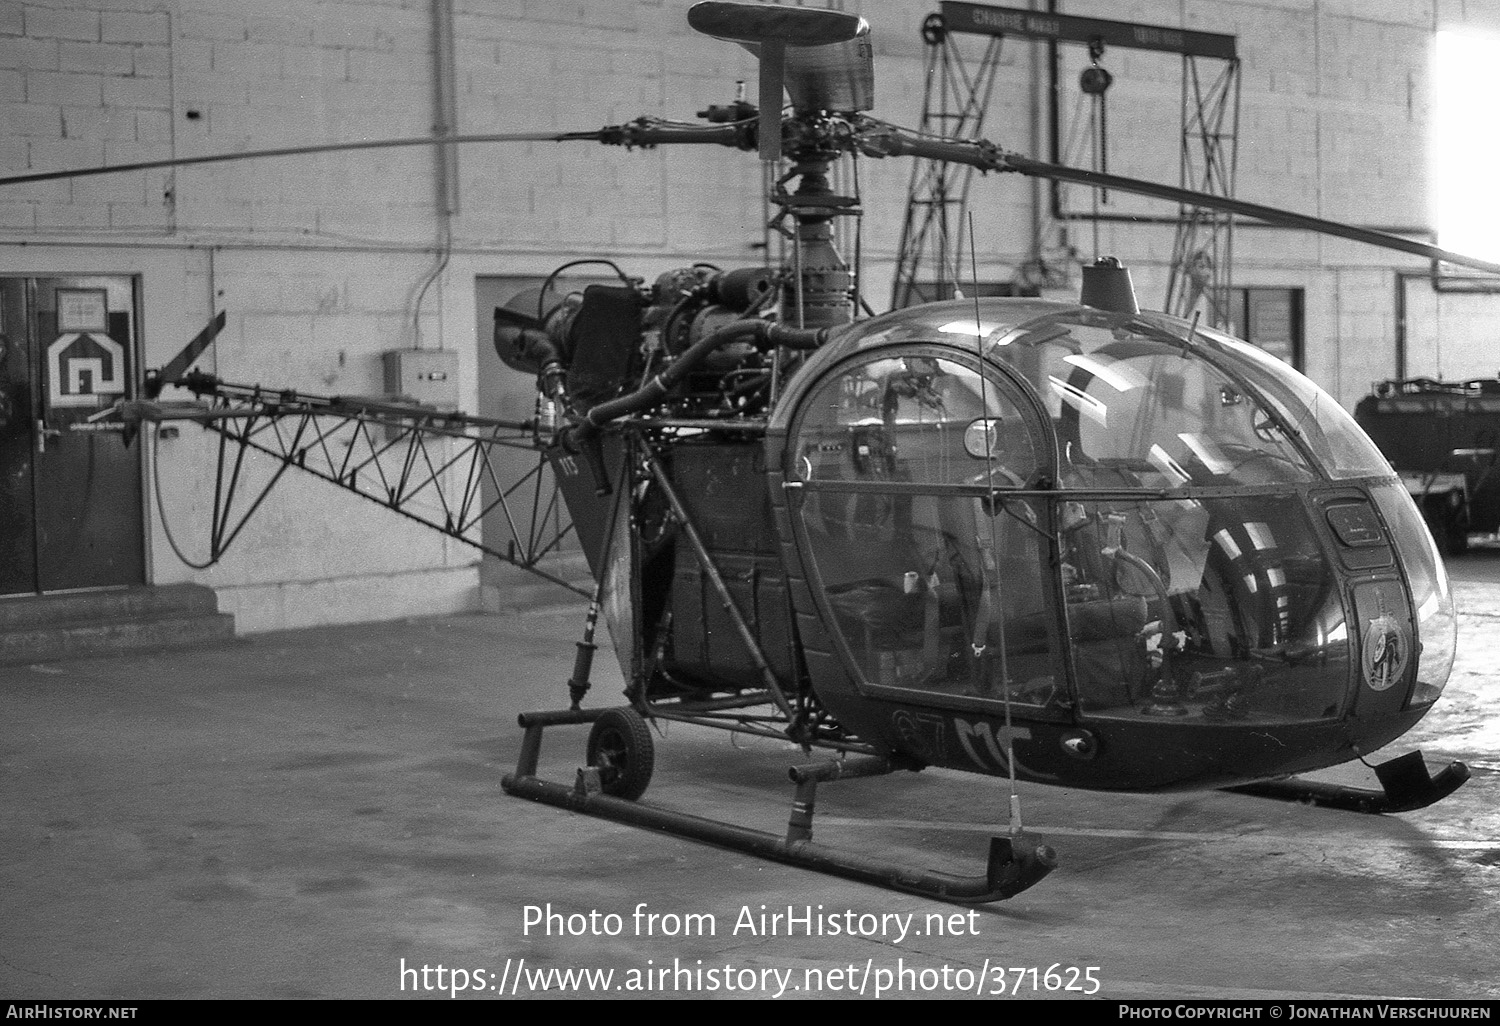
[(1067, 543)]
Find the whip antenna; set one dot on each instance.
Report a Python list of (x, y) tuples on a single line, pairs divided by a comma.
[(989, 560)]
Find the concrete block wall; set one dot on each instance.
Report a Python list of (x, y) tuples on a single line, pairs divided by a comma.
[(320, 260)]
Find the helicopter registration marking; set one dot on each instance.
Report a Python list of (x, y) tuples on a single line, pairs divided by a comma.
[(926, 735), (997, 744)]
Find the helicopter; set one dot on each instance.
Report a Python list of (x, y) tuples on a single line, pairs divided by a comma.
[(1072, 544)]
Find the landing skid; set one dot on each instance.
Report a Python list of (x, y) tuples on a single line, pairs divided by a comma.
[(1406, 784), (1014, 863)]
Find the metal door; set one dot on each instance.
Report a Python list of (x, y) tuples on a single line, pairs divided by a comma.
[(70, 501)]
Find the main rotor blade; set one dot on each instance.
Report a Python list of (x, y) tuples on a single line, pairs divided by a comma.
[(292, 151), (883, 140), (1256, 211), (179, 364)]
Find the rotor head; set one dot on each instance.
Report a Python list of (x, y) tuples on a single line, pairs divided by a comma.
[(823, 59)]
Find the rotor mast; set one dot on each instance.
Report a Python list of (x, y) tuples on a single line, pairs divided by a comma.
[(822, 291), (823, 59)]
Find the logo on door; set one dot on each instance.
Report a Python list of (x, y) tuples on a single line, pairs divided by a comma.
[(84, 365)]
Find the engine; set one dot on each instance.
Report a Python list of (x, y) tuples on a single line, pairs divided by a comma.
[(697, 345), (607, 340)]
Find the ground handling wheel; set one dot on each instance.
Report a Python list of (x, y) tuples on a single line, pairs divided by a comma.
[(1447, 518), (620, 746), (1455, 538)]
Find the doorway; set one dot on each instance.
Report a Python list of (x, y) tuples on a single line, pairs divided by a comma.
[(71, 512), (1270, 318)]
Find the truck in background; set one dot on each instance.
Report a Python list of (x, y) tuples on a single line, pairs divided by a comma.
[(1442, 437)]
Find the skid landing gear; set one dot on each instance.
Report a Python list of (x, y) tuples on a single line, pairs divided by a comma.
[(1014, 863), (1406, 784)]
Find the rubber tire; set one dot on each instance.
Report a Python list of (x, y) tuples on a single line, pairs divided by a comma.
[(1455, 537), (1457, 541), (620, 746)]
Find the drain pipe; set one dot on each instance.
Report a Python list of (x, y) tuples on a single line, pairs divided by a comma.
[(445, 103), (444, 125), (1402, 277)]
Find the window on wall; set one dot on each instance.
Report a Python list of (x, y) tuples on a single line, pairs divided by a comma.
[(1271, 319), (1466, 149)]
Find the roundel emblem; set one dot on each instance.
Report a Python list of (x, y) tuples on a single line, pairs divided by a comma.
[(1386, 648)]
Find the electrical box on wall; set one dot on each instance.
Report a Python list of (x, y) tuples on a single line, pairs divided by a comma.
[(429, 376)]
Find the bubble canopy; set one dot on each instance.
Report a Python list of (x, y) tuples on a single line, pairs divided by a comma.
[(1181, 406), (1101, 515)]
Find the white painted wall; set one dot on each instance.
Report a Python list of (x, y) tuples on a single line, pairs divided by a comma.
[(318, 260)]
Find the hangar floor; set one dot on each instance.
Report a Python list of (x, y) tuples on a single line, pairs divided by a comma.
[(318, 814)]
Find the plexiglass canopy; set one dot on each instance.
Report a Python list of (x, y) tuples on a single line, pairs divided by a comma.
[(1104, 515)]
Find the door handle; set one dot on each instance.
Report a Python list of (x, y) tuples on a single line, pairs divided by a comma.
[(43, 432)]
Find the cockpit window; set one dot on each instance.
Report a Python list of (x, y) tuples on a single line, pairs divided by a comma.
[(1136, 407), (1172, 573), (1204, 610), (1325, 427), (921, 536), (915, 419)]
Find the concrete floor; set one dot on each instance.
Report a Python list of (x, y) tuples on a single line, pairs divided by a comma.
[(307, 814)]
